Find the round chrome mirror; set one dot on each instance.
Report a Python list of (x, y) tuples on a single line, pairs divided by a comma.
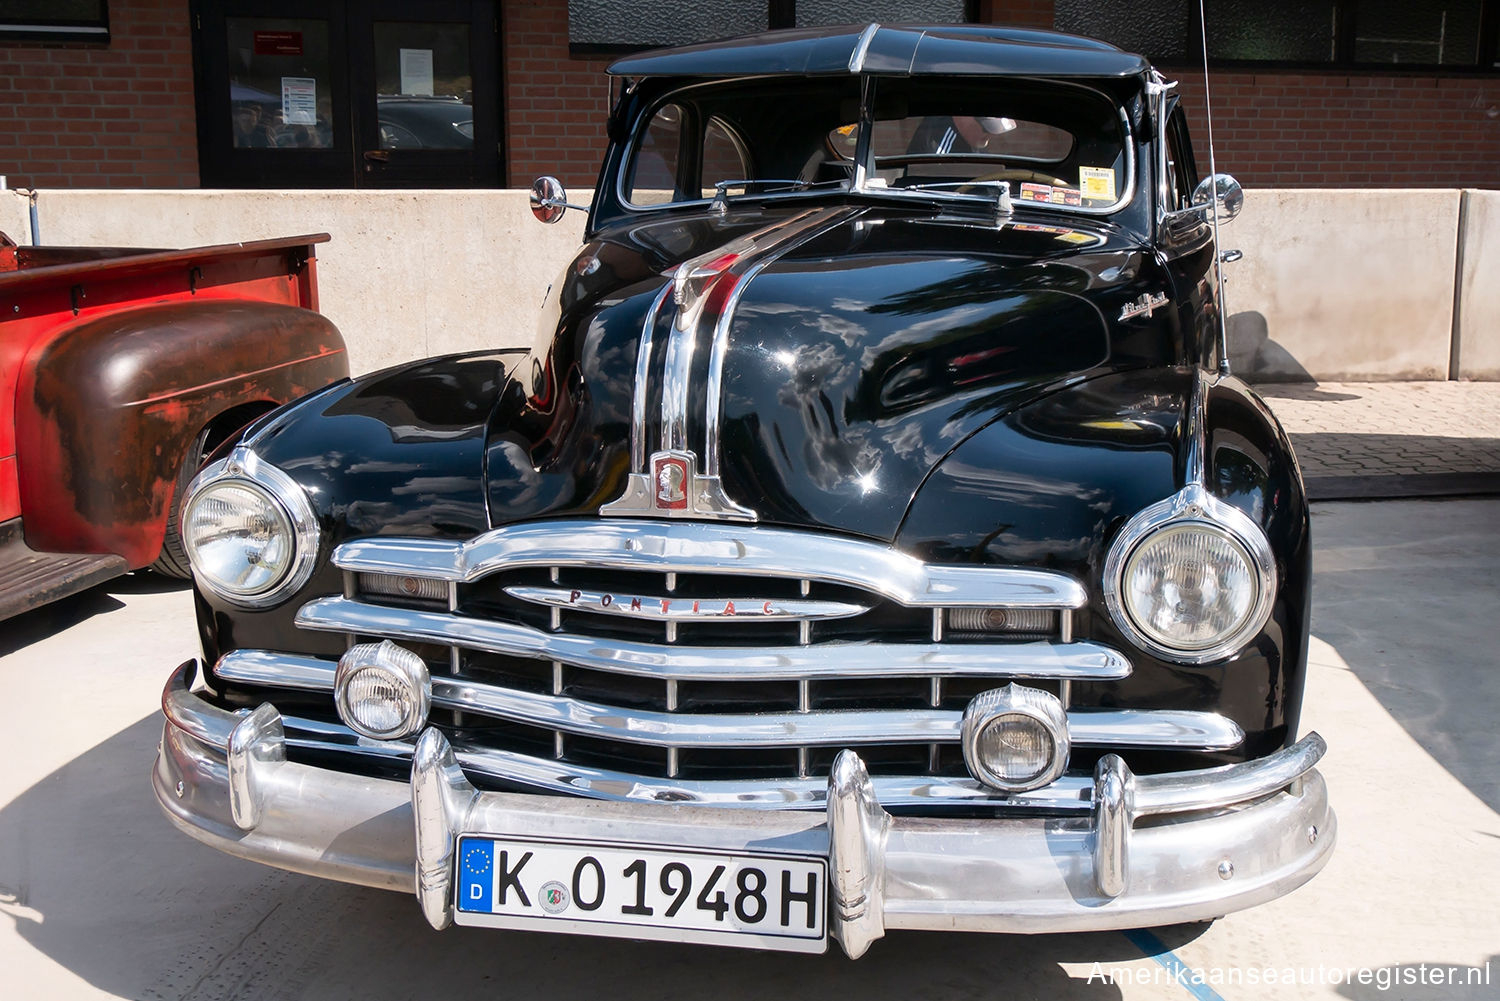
[(548, 199), (1226, 189)]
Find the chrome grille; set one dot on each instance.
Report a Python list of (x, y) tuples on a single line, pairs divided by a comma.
[(718, 652)]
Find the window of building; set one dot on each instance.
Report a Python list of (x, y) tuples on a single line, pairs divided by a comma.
[(1447, 34), (55, 20)]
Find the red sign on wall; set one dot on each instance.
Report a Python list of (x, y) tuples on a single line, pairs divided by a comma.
[(278, 43)]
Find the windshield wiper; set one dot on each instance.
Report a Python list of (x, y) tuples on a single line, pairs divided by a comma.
[(1003, 204), (721, 188)]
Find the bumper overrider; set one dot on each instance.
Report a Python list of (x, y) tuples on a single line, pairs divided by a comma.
[(1155, 850)]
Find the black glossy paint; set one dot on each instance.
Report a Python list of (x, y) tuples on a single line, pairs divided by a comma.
[(1052, 484), (914, 372)]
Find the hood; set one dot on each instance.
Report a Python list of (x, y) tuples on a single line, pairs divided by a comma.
[(855, 350)]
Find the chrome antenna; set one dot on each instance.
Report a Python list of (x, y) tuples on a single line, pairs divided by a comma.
[(1213, 198)]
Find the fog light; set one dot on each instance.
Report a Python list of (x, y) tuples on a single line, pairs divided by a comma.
[(1015, 738), (382, 690)]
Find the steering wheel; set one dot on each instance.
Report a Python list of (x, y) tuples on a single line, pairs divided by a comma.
[(1023, 174)]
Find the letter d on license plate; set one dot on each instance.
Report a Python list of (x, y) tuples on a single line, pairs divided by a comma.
[(744, 899)]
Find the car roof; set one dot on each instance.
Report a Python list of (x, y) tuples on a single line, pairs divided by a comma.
[(901, 49)]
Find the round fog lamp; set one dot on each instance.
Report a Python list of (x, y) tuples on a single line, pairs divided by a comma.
[(382, 690), (1015, 738)]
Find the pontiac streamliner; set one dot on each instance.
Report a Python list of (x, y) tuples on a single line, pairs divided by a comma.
[(873, 536)]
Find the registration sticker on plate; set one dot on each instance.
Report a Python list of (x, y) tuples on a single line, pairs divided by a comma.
[(747, 899)]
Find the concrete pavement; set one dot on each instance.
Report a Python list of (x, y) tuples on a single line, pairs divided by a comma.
[(100, 898)]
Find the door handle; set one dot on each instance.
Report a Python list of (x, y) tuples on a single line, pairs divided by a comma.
[(378, 155)]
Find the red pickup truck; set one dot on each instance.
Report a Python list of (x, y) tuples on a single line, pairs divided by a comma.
[(120, 370)]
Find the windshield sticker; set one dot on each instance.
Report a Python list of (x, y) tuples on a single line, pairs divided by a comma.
[(1097, 182), (1050, 195)]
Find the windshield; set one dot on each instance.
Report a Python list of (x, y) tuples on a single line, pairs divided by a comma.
[(1053, 144)]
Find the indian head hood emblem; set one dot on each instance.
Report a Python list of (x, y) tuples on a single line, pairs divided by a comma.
[(672, 487), (671, 475)]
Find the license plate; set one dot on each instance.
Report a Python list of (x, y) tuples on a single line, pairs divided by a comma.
[(746, 899)]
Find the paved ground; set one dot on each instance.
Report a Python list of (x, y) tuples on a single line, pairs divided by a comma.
[(1392, 439), (100, 898)]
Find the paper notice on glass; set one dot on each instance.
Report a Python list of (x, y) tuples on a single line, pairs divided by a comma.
[(416, 72), (299, 100)]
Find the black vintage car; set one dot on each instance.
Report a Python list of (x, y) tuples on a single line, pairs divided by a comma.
[(872, 538)]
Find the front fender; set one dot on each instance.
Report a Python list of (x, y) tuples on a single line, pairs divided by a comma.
[(1052, 484), (108, 409)]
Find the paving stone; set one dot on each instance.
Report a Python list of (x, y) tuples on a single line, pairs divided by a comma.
[(1395, 429)]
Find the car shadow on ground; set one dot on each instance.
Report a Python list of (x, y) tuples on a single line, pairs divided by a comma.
[(21, 631), (95, 878)]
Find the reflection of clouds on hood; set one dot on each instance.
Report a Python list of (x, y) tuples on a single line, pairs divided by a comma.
[(418, 516), (1021, 489), (318, 462), (510, 464), (1004, 549), (907, 442), (763, 308), (601, 366), (929, 330), (434, 485), (371, 466), (846, 331)]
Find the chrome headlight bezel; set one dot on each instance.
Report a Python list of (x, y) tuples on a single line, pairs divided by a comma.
[(1193, 507), (245, 468)]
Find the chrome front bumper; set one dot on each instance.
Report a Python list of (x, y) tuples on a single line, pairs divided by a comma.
[(1155, 850)]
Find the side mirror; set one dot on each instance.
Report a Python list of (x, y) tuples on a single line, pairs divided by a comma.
[(1221, 188), (549, 200)]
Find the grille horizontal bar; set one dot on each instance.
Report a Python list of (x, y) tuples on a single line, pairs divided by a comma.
[(1076, 661), (733, 549), (1166, 729), (1069, 794)]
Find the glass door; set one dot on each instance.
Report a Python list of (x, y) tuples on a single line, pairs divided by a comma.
[(349, 93), (426, 92), (273, 96)]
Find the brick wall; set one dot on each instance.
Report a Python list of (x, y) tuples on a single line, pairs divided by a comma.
[(122, 114), (103, 115), (555, 103), (1271, 129), (1298, 130)]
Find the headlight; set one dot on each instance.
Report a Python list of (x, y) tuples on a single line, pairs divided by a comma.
[(1191, 578), (249, 531)]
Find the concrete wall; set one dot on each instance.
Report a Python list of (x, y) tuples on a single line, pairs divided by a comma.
[(406, 275), (1479, 315), (15, 217), (1352, 285)]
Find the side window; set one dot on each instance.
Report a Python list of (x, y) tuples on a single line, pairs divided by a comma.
[(1182, 172), (654, 169), (724, 158)]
